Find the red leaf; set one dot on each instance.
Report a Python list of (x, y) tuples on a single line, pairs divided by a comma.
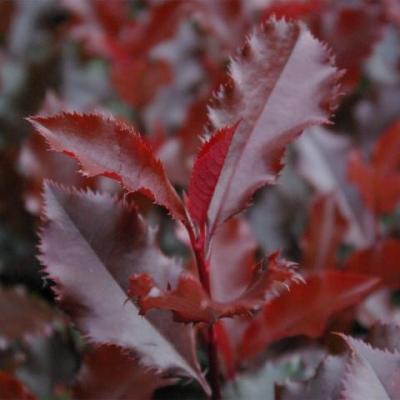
[(380, 191), (23, 317), (350, 28), (105, 146), (280, 68), (190, 302), (206, 171), (386, 155), (137, 81), (37, 163), (305, 309), (109, 372), (372, 373), (90, 245), (12, 389), (382, 260), (324, 233), (379, 180)]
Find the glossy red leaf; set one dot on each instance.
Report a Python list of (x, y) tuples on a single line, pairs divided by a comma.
[(372, 373), (12, 389), (280, 68), (105, 146), (108, 372), (90, 245), (325, 230), (305, 309), (205, 174), (191, 303), (382, 260)]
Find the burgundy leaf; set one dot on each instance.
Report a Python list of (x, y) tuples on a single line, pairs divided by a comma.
[(23, 317), (105, 146), (90, 245), (283, 81), (386, 155), (137, 81), (324, 233), (379, 180), (382, 260), (191, 303), (305, 309), (108, 372), (12, 389)]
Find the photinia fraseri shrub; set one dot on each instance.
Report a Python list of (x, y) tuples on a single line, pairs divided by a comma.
[(126, 296)]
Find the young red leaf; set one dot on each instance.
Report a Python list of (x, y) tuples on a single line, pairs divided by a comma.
[(382, 260), (90, 245), (191, 303), (282, 82), (206, 171), (323, 158), (372, 373), (108, 372), (23, 317), (105, 146), (305, 309), (12, 389), (324, 233)]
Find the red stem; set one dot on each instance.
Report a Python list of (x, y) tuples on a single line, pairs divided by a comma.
[(202, 268), (213, 363)]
